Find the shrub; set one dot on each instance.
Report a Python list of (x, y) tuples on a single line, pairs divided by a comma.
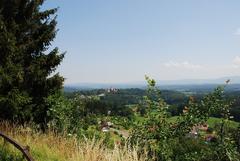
[(171, 141)]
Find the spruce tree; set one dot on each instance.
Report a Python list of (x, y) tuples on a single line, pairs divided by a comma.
[(26, 61)]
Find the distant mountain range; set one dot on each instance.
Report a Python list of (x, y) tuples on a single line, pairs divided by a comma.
[(183, 84), (222, 80)]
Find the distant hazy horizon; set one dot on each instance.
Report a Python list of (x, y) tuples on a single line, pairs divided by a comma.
[(121, 41), (220, 80)]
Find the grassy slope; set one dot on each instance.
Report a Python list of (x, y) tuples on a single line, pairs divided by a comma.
[(213, 121), (52, 147)]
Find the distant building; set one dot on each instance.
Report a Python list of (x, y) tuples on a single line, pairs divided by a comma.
[(185, 110), (101, 95), (196, 128), (105, 126), (112, 90), (110, 124), (105, 129), (82, 96)]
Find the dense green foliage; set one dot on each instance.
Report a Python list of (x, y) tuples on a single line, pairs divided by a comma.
[(175, 99), (151, 123), (166, 140), (26, 63)]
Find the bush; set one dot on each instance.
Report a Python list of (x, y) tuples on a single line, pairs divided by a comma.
[(170, 141)]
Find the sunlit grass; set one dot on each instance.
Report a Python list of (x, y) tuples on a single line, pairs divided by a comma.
[(51, 146)]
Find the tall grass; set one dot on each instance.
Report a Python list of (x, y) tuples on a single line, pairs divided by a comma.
[(50, 146)]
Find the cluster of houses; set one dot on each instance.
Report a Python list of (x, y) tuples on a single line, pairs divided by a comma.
[(209, 135), (105, 125), (111, 90)]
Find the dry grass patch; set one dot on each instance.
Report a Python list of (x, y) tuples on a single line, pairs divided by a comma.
[(51, 146)]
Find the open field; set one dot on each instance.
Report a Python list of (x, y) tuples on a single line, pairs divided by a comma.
[(212, 121)]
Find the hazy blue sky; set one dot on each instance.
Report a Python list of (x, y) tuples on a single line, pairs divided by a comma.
[(122, 40)]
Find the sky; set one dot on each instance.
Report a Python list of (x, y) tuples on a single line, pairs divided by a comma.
[(117, 41)]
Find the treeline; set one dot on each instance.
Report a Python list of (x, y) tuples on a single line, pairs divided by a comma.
[(117, 101)]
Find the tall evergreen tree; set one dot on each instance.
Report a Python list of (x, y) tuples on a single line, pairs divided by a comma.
[(26, 62)]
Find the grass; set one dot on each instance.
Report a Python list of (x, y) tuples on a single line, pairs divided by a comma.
[(54, 147), (212, 121)]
